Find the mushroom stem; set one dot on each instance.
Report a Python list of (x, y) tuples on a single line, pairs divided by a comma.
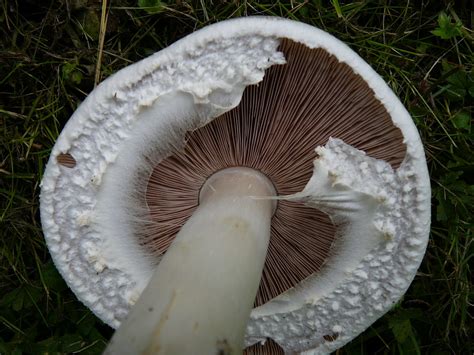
[(200, 297)]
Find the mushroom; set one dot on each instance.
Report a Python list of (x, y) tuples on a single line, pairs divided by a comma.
[(321, 148)]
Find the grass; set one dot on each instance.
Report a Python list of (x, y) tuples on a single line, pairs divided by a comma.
[(54, 52)]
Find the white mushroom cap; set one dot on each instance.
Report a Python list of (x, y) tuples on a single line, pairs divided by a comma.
[(146, 108)]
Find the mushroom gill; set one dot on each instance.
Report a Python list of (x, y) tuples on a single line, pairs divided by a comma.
[(275, 129), (269, 347)]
